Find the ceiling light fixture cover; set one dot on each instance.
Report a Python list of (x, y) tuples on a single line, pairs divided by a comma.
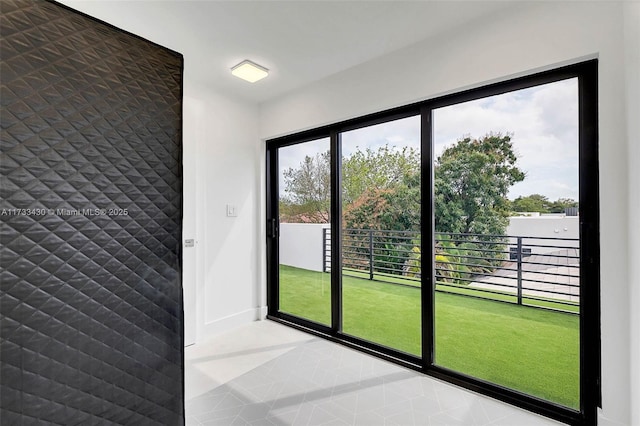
[(249, 71)]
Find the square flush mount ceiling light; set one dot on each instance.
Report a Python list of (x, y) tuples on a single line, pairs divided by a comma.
[(249, 71)]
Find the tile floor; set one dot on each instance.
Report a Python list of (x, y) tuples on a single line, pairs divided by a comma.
[(268, 374)]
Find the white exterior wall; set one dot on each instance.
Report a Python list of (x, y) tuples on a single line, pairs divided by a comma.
[(546, 227), (301, 245), (522, 39)]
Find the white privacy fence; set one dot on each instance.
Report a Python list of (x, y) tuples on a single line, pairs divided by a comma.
[(301, 245)]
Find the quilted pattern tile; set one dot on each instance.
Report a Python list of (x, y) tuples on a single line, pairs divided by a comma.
[(90, 209)]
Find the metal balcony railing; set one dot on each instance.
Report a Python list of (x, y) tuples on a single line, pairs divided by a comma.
[(534, 271)]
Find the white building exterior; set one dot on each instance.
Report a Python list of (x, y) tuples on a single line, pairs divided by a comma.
[(564, 230)]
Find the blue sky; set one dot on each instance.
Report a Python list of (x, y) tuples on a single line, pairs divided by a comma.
[(542, 120)]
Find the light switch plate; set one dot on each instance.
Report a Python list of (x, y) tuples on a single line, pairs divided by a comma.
[(232, 210)]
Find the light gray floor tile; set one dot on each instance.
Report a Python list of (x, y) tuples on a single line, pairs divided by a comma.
[(224, 421), (343, 412), (405, 418), (283, 417), (472, 415), (368, 419), (192, 421), (425, 407), (524, 419), (443, 419), (269, 421), (337, 422), (451, 398), (316, 382), (496, 410), (389, 410), (253, 412), (370, 399), (219, 414), (305, 411), (320, 416)]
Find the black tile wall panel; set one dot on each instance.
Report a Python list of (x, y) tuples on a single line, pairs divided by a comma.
[(91, 296)]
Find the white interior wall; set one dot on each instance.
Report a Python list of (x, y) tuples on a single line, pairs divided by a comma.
[(191, 110), (222, 166), (523, 39), (631, 15)]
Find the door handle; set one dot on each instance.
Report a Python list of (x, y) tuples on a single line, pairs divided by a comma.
[(273, 228)]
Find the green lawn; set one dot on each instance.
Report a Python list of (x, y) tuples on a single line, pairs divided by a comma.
[(531, 350)]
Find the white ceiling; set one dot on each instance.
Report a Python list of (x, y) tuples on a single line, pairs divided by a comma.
[(299, 41)]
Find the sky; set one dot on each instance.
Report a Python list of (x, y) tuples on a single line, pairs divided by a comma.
[(542, 120)]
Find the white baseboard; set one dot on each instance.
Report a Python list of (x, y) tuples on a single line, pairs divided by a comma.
[(230, 322)]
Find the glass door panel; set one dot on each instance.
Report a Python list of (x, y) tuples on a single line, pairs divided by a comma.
[(507, 243), (304, 188), (381, 234)]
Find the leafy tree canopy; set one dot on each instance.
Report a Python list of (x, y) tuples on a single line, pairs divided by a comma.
[(561, 204), (541, 204), (381, 188), (471, 182), (383, 169), (307, 191), (531, 203), (396, 208)]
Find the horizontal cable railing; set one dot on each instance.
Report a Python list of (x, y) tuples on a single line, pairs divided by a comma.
[(533, 271)]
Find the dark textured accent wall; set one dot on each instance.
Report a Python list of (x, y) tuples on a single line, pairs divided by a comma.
[(91, 211)]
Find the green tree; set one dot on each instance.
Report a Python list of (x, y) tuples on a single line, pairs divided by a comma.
[(307, 191), (561, 204), (395, 208), (370, 170), (532, 203), (541, 204), (472, 179), (380, 189)]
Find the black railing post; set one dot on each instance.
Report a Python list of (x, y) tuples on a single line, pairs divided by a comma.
[(371, 254), (324, 249), (519, 258)]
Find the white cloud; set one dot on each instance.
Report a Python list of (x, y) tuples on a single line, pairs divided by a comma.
[(544, 123), (397, 133)]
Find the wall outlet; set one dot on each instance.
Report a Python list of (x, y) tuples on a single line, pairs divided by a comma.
[(232, 210), (190, 242)]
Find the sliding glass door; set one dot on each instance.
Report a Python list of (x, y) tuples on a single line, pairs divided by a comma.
[(507, 243), (457, 236), (303, 221), (380, 191)]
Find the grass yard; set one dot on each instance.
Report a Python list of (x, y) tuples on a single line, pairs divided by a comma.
[(527, 349)]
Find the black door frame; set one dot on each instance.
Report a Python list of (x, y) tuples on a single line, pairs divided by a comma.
[(590, 359)]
